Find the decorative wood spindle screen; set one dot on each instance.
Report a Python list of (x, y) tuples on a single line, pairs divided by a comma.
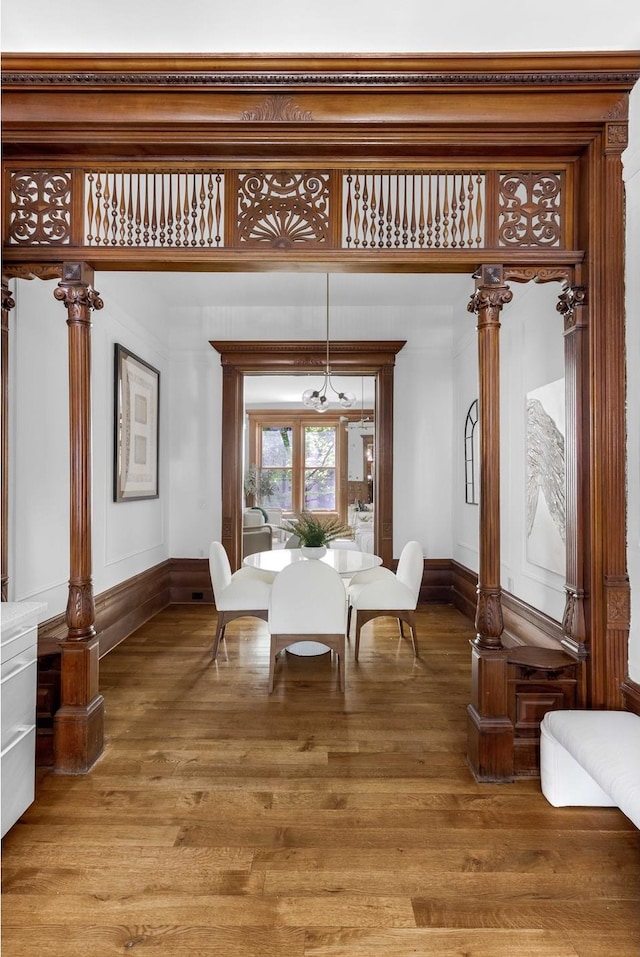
[(413, 210), (157, 208), (358, 210)]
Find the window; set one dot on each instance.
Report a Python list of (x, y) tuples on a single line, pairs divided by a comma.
[(320, 467), (275, 461), (303, 459)]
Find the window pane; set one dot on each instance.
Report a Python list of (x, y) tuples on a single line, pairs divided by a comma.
[(276, 446), (319, 489), (280, 480), (320, 445)]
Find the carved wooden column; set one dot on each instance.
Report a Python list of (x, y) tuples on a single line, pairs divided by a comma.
[(383, 485), (8, 303), (79, 723), (490, 731), (609, 602), (231, 464), (572, 305)]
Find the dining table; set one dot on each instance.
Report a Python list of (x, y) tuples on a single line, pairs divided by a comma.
[(346, 562)]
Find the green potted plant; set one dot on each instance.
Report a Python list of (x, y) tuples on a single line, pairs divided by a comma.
[(258, 487), (315, 533)]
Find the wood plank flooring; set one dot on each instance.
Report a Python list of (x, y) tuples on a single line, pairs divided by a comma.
[(224, 821)]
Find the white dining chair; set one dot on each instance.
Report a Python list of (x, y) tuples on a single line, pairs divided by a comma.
[(308, 603), (240, 594), (381, 593)]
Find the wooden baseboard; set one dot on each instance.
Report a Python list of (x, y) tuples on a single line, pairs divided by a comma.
[(464, 585), (437, 581), (190, 581)]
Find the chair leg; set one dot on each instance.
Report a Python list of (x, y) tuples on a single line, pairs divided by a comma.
[(277, 644), (339, 648), (272, 667), (220, 629), (349, 610), (410, 618), (358, 627)]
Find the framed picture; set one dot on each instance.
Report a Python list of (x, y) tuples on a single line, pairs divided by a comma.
[(136, 427)]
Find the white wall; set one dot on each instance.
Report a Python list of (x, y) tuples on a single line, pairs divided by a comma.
[(39, 447), (282, 25), (127, 537), (532, 355), (466, 520)]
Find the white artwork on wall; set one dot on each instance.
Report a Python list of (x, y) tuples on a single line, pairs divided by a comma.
[(545, 477)]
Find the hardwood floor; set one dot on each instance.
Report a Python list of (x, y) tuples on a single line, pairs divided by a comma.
[(224, 821)]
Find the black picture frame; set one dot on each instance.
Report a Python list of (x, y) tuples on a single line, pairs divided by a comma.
[(136, 446)]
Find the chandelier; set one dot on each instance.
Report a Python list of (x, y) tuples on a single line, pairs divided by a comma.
[(317, 398)]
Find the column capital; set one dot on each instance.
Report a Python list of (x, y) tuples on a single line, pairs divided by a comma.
[(8, 302), (489, 299), (569, 302), (491, 292), (78, 298)]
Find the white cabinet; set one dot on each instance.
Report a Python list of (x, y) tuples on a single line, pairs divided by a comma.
[(18, 682)]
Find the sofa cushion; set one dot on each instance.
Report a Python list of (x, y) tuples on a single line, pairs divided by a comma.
[(607, 745)]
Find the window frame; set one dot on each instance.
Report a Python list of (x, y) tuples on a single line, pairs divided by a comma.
[(297, 421)]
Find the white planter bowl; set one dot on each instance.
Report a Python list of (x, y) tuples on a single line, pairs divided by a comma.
[(313, 551)]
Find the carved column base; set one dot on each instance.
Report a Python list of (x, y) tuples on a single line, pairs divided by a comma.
[(490, 732), (79, 724), (78, 737)]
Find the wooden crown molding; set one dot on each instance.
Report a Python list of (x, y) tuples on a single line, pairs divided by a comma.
[(347, 356), (601, 70)]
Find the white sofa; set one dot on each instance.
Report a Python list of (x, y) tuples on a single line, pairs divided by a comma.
[(591, 758), (256, 533)]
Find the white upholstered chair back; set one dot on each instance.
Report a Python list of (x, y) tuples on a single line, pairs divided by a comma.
[(410, 567), (219, 568), (308, 598)]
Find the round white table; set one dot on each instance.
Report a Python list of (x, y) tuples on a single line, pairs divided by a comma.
[(345, 561)]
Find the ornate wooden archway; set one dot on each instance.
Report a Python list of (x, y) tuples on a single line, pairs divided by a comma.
[(448, 163)]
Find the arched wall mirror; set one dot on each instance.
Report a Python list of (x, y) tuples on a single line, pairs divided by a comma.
[(374, 359)]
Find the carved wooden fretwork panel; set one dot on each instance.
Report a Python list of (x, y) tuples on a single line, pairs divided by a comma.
[(530, 209), (40, 203), (371, 211), (283, 209), (154, 208), (413, 210)]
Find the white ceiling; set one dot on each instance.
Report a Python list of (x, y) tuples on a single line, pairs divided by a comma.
[(283, 25)]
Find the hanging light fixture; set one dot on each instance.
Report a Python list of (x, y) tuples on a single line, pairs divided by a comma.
[(363, 423), (317, 398)]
